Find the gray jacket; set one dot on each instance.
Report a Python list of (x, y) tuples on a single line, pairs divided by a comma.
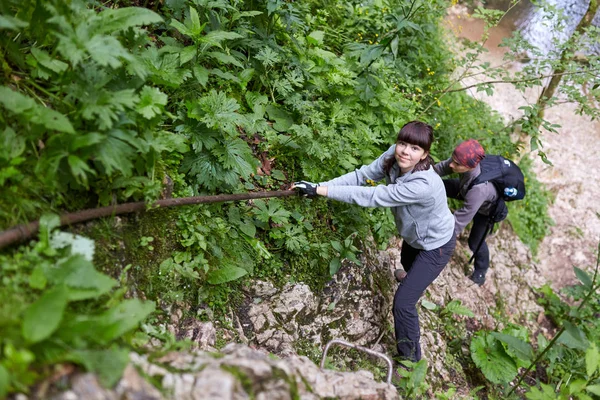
[(480, 199), (417, 199)]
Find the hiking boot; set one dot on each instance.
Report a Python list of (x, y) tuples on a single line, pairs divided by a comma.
[(478, 277), (400, 274)]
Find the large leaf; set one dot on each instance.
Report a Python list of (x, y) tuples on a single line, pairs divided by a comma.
[(226, 273), (43, 317), (489, 355), (48, 62), (81, 277), (22, 105), (110, 325), (107, 50), (108, 364), (151, 102), (118, 19), (584, 277), (11, 23), (4, 381), (573, 337), (592, 359), (283, 119), (515, 346)]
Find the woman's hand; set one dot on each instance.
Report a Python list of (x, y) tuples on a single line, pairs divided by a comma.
[(307, 189)]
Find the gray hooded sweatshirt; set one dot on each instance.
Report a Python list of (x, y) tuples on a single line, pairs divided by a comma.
[(417, 199)]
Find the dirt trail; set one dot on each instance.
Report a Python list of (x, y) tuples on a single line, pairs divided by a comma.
[(574, 178)]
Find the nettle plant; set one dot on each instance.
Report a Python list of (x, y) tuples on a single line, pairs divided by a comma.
[(57, 308), (79, 117)]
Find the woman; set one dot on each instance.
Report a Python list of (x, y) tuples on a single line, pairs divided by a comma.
[(417, 197)]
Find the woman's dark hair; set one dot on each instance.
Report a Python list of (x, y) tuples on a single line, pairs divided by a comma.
[(417, 133)]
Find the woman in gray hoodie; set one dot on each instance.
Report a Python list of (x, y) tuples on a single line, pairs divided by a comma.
[(417, 198)]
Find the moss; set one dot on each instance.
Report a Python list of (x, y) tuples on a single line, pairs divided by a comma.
[(119, 244), (244, 379), (293, 385)]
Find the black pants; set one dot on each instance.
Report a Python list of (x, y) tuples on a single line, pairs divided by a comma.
[(478, 229), (422, 266)]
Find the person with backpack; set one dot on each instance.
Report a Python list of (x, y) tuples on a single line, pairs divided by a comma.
[(417, 198), (485, 183)]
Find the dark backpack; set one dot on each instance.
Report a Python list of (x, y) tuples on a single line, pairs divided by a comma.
[(509, 182), (508, 179)]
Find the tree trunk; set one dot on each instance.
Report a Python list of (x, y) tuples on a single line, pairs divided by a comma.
[(549, 90)]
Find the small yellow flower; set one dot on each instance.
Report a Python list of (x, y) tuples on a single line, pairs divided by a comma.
[(439, 103), (437, 125), (418, 90)]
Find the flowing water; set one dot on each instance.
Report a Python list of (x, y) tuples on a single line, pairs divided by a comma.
[(574, 177)]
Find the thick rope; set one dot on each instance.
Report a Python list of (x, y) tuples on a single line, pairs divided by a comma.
[(25, 231)]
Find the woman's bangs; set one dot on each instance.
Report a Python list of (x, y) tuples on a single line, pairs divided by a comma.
[(415, 135)]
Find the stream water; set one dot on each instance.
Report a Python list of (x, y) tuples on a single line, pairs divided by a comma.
[(574, 177)]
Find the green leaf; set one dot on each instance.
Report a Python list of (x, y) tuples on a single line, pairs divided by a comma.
[(48, 222), (201, 74), (4, 381), (592, 359), (489, 355), (187, 54), (81, 277), (334, 266), (119, 320), (456, 307), (35, 113), (43, 317), (428, 305), (316, 37), (46, 61), (547, 393), (517, 347), (116, 155), (214, 38), (584, 277), (593, 389), (224, 58), (279, 175), (119, 19), (226, 273), (107, 51), (419, 372), (573, 337), (11, 144), (11, 23), (181, 28), (37, 279), (151, 102), (108, 364), (80, 169), (85, 140), (283, 120), (228, 76), (248, 228)]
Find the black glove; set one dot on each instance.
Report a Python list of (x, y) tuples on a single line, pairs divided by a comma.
[(306, 189)]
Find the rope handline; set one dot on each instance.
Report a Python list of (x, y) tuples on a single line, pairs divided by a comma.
[(25, 231)]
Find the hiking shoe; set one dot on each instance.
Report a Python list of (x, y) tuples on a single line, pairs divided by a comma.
[(478, 277), (400, 274)]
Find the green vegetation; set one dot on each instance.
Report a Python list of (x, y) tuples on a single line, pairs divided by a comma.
[(105, 103)]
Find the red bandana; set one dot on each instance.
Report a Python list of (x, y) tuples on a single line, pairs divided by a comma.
[(469, 153)]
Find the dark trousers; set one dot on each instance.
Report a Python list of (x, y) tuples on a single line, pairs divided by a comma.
[(478, 229), (422, 266)]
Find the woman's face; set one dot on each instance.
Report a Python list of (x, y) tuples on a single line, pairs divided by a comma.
[(458, 168), (408, 155)]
